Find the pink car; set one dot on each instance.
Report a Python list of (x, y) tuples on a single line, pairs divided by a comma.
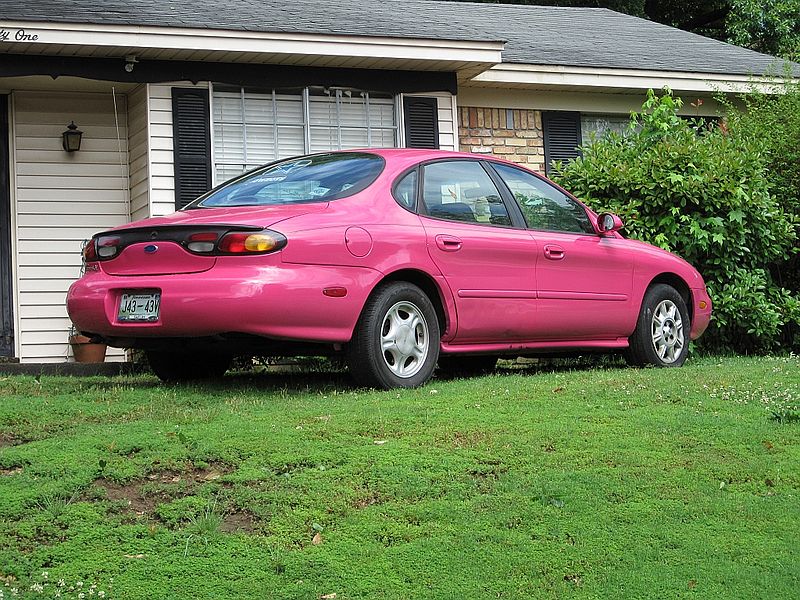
[(397, 259)]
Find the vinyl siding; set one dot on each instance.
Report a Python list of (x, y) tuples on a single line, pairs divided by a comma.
[(138, 132), (60, 200), (162, 169)]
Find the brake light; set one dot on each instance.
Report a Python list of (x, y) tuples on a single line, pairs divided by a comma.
[(89, 252), (107, 246), (202, 242), (243, 242)]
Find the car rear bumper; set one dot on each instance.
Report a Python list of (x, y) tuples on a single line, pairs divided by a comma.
[(701, 309), (277, 301)]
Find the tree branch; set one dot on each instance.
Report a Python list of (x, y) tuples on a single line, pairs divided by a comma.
[(706, 19)]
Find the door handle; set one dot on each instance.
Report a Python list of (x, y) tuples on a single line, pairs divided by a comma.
[(554, 252), (448, 243)]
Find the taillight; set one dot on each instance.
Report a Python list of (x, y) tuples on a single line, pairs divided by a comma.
[(107, 246), (244, 242), (202, 242), (89, 252)]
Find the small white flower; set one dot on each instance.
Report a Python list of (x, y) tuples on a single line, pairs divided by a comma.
[(61, 583), (81, 596), (45, 574), (101, 594), (78, 584)]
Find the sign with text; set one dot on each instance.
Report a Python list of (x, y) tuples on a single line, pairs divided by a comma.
[(17, 35)]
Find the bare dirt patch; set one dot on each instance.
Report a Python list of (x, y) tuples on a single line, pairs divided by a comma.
[(143, 495), (238, 522), (10, 439), (369, 498), (131, 493)]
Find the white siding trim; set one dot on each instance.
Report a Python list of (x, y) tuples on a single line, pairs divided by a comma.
[(12, 182), (139, 153), (454, 109)]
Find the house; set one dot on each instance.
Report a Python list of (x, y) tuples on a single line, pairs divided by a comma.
[(174, 97)]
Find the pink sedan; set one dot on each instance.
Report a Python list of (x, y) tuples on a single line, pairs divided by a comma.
[(396, 259)]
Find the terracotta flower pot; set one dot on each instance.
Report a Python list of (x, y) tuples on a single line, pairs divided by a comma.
[(85, 351)]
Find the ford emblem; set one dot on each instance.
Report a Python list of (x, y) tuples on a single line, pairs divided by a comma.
[(150, 249)]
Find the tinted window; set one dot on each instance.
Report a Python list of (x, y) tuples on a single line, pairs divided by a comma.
[(462, 191), (542, 205), (405, 192), (315, 178)]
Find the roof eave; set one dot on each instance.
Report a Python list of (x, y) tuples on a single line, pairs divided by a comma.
[(172, 43), (529, 76)]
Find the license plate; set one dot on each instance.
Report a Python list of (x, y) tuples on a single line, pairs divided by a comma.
[(139, 307)]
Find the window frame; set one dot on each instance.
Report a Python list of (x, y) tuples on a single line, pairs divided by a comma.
[(590, 215), (304, 94)]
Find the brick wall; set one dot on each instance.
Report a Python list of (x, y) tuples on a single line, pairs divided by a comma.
[(512, 134)]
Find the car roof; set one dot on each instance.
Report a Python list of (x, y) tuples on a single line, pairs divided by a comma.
[(411, 156)]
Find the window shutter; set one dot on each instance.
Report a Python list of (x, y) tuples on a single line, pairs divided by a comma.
[(562, 136), (421, 116), (192, 144)]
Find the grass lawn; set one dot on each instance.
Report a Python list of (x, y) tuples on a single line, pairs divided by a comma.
[(531, 483)]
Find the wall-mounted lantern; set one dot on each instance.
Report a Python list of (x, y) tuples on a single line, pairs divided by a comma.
[(71, 138)]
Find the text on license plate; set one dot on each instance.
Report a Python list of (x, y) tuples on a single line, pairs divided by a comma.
[(139, 307)]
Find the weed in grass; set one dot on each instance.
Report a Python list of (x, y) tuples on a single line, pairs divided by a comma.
[(550, 499), (55, 504), (205, 526)]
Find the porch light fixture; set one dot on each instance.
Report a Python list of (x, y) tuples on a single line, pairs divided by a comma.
[(71, 138), (130, 62)]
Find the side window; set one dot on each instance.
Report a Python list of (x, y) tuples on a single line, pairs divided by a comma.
[(542, 205), (405, 191), (461, 190)]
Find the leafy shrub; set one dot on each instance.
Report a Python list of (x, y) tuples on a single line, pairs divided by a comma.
[(704, 194), (771, 119)]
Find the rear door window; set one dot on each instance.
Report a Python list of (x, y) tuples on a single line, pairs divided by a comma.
[(461, 190)]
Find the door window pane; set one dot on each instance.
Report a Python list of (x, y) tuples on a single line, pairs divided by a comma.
[(542, 205), (462, 191)]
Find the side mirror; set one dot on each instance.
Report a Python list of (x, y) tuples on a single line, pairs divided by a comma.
[(608, 223)]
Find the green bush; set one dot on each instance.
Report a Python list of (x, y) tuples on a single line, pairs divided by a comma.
[(704, 194), (771, 119)]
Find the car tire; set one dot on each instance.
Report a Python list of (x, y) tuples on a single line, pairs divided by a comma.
[(465, 365), (661, 337), (396, 340), (187, 366)]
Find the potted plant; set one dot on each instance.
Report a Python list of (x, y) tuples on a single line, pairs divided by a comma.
[(84, 350)]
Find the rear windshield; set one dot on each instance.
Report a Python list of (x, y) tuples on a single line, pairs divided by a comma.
[(314, 178)]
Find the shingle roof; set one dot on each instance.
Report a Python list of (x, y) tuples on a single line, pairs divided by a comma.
[(540, 35)]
